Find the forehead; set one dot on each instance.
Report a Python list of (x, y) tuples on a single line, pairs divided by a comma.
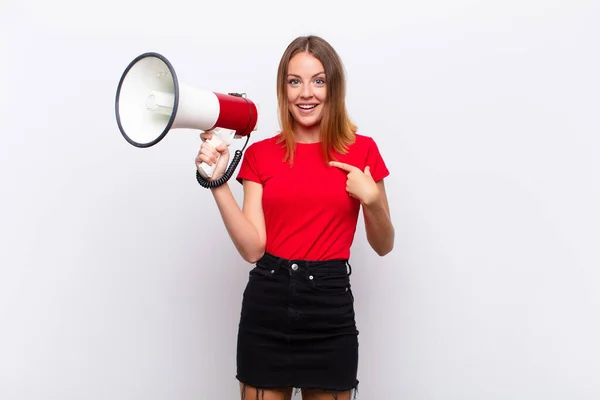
[(304, 63)]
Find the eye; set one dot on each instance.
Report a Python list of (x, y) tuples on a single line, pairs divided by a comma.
[(293, 81), (320, 81)]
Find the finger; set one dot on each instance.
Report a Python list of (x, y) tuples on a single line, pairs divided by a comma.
[(221, 148), (205, 136), (368, 170), (344, 166), (207, 147), (209, 153), (202, 158)]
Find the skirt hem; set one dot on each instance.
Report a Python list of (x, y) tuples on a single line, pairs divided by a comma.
[(297, 387)]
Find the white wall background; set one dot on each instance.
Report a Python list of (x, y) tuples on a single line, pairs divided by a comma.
[(118, 280)]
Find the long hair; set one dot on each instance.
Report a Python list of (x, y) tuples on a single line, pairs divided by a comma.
[(337, 130)]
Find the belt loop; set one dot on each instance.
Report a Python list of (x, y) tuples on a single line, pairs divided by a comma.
[(348, 268)]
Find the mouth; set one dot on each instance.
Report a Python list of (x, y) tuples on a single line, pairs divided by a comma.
[(306, 107)]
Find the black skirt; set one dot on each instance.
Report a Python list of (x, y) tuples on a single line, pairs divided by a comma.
[(297, 326)]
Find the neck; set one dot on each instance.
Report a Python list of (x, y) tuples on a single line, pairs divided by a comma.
[(308, 135)]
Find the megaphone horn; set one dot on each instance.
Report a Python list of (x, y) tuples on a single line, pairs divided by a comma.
[(151, 101)]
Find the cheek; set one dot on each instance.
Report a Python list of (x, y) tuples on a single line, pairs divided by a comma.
[(321, 94), (292, 95)]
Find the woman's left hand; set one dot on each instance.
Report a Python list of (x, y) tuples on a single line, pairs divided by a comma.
[(359, 185)]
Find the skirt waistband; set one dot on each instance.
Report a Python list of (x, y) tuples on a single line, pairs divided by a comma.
[(310, 265)]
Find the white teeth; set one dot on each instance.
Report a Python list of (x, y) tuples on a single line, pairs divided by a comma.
[(307, 107)]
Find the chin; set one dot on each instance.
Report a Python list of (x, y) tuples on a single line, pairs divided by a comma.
[(307, 123)]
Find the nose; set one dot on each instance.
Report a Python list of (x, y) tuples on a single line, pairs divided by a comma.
[(306, 92)]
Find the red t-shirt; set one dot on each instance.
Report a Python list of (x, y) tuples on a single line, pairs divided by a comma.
[(308, 212)]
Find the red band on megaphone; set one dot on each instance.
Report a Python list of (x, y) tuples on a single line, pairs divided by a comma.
[(236, 113)]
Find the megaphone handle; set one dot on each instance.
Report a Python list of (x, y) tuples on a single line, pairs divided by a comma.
[(207, 170)]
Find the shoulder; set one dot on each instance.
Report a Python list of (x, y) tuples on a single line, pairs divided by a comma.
[(258, 158), (365, 152), (361, 139), (363, 142), (271, 141), (266, 144)]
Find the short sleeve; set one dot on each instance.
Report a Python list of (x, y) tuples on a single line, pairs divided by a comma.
[(249, 168), (375, 162)]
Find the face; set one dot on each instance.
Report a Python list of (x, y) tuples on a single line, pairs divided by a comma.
[(306, 89)]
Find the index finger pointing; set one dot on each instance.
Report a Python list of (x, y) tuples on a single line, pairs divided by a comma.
[(344, 166)]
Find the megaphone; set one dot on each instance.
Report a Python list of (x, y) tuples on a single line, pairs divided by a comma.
[(151, 102)]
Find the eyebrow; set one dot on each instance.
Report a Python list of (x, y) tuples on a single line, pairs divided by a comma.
[(317, 74)]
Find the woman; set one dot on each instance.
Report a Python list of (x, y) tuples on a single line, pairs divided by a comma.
[(303, 190)]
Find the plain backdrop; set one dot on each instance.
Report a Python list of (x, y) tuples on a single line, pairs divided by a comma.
[(118, 280)]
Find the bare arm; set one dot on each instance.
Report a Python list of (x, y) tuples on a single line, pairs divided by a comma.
[(376, 210), (246, 226), (378, 223)]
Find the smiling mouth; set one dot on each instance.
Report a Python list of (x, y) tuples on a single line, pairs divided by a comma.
[(307, 106)]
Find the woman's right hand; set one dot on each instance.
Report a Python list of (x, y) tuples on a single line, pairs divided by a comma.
[(208, 155)]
